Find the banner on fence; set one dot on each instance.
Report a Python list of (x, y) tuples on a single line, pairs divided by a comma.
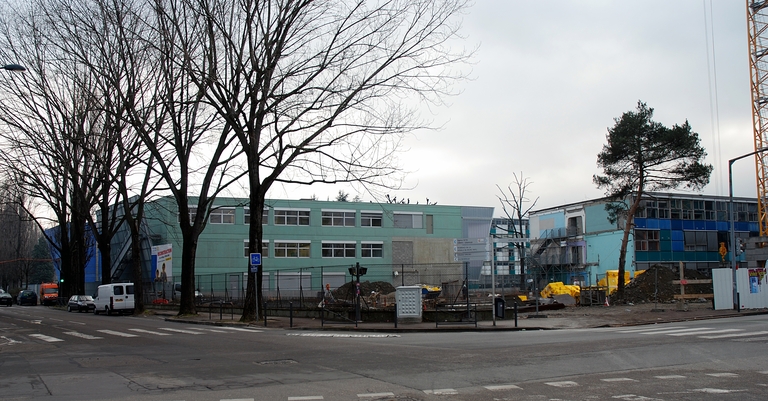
[(162, 262)]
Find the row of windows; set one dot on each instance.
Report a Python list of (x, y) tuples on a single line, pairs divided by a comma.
[(288, 217), (692, 209), (676, 240), (301, 249)]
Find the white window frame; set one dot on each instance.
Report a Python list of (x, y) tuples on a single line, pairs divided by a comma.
[(222, 212), (368, 249), (339, 249), (192, 214), (370, 217), (283, 248), (416, 221), (264, 247), (338, 218), (301, 216)]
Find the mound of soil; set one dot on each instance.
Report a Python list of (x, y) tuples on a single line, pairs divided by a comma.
[(657, 281), (347, 291)]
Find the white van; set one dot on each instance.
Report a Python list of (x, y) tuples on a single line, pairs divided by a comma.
[(117, 297)]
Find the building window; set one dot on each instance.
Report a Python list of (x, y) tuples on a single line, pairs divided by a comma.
[(646, 240), (370, 219), (291, 218), (292, 249), (192, 214), (339, 218), (264, 249), (247, 216), (339, 250), (371, 250), (407, 220), (222, 215)]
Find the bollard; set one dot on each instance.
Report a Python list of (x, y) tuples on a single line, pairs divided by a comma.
[(290, 313), (515, 313), (221, 310), (265, 313), (395, 315)]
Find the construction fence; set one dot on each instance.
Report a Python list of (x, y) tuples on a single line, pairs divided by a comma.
[(311, 283)]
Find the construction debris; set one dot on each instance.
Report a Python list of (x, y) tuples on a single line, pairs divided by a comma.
[(655, 285)]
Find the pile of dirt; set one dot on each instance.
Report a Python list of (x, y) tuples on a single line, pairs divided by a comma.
[(347, 291), (644, 287)]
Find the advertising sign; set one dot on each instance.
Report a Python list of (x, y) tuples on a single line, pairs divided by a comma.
[(162, 262)]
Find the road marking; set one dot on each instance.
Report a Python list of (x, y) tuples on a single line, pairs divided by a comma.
[(375, 395), (340, 335), (667, 377), (10, 341), (72, 321), (755, 333), (180, 330), (669, 332), (442, 391), (707, 332), (56, 320), (82, 335), (45, 338), (157, 333), (308, 397), (503, 387), (207, 329), (240, 329), (618, 379), (236, 399), (650, 329), (563, 384), (716, 390), (117, 333), (633, 397), (724, 374)]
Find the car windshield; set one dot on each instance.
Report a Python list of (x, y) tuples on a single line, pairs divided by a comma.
[(50, 291), (86, 298)]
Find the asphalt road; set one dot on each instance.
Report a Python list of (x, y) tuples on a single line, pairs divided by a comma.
[(50, 354)]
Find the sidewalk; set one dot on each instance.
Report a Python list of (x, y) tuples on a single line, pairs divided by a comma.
[(569, 318)]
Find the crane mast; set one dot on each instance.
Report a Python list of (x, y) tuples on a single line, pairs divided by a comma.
[(757, 32)]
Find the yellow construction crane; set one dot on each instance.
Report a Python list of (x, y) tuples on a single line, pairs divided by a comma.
[(757, 28)]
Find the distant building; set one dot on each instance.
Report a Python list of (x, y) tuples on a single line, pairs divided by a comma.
[(576, 243), (310, 243)]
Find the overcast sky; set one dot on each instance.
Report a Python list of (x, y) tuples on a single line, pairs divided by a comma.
[(549, 79)]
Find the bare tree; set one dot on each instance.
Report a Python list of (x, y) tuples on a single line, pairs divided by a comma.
[(322, 92), (514, 204)]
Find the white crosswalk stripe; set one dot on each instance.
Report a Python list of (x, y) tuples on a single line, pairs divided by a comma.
[(240, 329), (117, 333), (207, 329), (670, 332), (82, 335), (45, 338), (157, 333), (180, 330), (734, 335)]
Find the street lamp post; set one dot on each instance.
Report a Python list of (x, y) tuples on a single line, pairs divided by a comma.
[(736, 303)]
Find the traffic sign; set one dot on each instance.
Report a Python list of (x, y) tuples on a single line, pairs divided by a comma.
[(511, 240), (472, 248), (473, 256), (469, 241), (255, 259)]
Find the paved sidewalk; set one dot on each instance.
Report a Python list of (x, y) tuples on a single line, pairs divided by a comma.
[(568, 318)]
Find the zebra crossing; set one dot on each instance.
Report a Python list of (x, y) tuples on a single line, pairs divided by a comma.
[(137, 332), (706, 333)]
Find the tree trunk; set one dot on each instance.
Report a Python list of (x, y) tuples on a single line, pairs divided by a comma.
[(624, 244), (188, 254)]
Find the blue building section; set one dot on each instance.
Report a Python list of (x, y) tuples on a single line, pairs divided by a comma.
[(579, 242), (92, 266)]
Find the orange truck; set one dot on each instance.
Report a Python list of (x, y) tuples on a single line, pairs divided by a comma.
[(49, 293)]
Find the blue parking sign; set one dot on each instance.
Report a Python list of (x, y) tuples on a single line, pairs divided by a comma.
[(255, 259)]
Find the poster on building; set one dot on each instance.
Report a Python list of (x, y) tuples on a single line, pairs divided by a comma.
[(755, 279), (162, 262)]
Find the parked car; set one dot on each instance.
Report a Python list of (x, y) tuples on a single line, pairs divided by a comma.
[(5, 298), (81, 303), (27, 297)]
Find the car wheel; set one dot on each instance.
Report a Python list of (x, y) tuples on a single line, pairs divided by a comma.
[(69, 308), (109, 312)]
